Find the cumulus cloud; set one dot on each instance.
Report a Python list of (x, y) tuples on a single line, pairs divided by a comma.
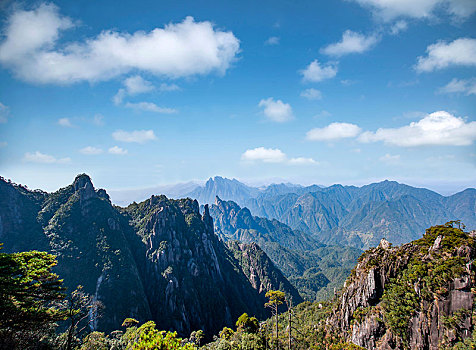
[(33, 51), (133, 85), (391, 9), (273, 155), (460, 52), (311, 94), (274, 40), (351, 42), (137, 85), (150, 107), (276, 111), (398, 27), (65, 122), (438, 128), (333, 131), (43, 158), (137, 136), (117, 150), (464, 86), (267, 155), (315, 72), (91, 151), (4, 112)]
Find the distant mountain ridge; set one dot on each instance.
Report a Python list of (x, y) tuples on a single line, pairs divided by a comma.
[(350, 215), (314, 269)]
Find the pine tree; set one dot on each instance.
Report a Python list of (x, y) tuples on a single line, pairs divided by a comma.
[(29, 299)]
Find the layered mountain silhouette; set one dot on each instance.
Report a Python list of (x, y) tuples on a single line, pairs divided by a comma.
[(356, 216)]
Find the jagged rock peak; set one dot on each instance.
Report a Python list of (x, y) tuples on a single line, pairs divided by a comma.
[(83, 184), (206, 211), (82, 181), (384, 244)]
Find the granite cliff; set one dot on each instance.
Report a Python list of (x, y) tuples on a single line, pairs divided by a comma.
[(155, 260), (416, 296)]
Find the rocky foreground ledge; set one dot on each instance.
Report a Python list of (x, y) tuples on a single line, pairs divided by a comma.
[(416, 296)]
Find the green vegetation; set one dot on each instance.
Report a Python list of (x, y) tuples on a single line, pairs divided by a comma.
[(29, 297), (425, 278)]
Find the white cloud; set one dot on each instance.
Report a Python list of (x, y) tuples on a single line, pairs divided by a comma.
[(117, 150), (137, 136), (39, 157), (4, 112), (33, 51), (333, 131), (461, 52), (274, 40), (90, 150), (351, 42), (316, 72), (273, 155), (65, 122), (302, 161), (276, 111), (150, 107), (119, 97), (169, 87), (311, 94), (137, 85), (465, 86), (133, 85), (391, 9), (398, 27), (388, 158), (438, 128), (462, 8), (267, 155)]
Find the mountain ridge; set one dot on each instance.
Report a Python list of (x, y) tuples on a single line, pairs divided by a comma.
[(357, 216), (154, 260)]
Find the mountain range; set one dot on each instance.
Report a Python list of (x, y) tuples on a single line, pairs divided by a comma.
[(348, 215), (312, 267), (155, 260)]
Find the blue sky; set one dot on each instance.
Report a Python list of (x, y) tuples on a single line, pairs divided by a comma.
[(139, 94)]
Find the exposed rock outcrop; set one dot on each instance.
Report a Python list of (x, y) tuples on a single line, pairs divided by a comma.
[(416, 296)]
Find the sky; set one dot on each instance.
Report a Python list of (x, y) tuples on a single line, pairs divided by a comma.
[(144, 93)]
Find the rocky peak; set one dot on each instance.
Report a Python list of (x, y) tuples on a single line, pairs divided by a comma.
[(207, 219), (83, 184), (82, 181)]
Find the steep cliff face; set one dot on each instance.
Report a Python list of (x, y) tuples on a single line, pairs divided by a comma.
[(261, 272), (88, 236), (235, 223), (416, 296), (19, 228), (189, 275), (157, 260), (312, 268)]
